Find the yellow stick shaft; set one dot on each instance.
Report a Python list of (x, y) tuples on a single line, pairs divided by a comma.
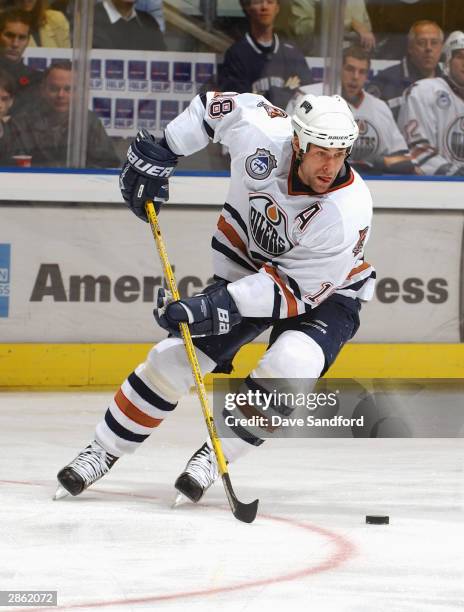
[(187, 338)]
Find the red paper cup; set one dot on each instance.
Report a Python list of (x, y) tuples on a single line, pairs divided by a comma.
[(23, 161)]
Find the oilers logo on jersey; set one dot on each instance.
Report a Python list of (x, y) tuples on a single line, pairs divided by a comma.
[(367, 144), (455, 139), (268, 224), (260, 165)]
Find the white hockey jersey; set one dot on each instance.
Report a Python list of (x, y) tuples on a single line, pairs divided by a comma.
[(284, 248), (432, 120), (379, 135)]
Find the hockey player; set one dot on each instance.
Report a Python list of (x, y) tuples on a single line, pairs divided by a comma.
[(380, 147), (432, 116), (288, 255)]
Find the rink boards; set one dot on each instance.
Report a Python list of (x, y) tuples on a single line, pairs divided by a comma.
[(106, 365), (77, 287)]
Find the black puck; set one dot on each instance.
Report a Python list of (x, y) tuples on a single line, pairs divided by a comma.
[(377, 520)]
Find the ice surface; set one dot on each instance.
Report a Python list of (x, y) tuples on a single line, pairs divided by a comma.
[(121, 547)]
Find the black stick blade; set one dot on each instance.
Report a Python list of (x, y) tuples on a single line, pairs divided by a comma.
[(243, 512), (246, 512)]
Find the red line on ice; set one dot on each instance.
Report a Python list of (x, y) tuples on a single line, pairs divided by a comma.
[(344, 550)]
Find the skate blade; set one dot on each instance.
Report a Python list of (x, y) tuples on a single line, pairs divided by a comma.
[(60, 493), (179, 500)]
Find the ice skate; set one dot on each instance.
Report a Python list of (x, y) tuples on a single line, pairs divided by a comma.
[(199, 474), (89, 466)]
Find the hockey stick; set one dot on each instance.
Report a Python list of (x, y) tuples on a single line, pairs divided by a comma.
[(242, 512)]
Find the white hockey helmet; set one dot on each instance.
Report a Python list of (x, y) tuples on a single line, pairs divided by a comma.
[(454, 42), (326, 121)]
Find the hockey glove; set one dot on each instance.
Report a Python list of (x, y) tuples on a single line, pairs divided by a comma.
[(211, 313), (145, 174)]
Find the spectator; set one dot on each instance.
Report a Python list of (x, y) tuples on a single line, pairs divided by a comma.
[(392, 20), (432, 117), (299, 21), (14, 38), (118, 25), (153, 8), (357, 21), (49, 28), (380, 147), (7, 91), (43, 131), (260, 62), (425, 41)]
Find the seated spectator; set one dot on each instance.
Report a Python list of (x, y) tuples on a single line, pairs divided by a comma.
[(43, 131), (260, 62), (153, 8), (357, 21), (425, 41), (48, 28), (299, 21), (7, 91), (380, 147), (118, 25), (296, 21), (14, 38), (392, 20), (432, 116)]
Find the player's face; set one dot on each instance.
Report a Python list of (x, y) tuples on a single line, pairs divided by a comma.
[(457, 67), (6, 100), (263, 12), (14, 39), (354, 77), (57, 90), (320, 166), (425, 48)]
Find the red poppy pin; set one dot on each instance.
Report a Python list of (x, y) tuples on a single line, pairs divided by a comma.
[(23, 81)]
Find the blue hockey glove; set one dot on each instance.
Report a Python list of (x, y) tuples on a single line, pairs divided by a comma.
[(210, 313), (145, 174)]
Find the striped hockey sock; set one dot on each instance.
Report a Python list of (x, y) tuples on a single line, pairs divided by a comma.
[(137, 408)]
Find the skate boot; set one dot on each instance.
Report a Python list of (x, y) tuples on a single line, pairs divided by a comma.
[(199, 474), (89, 466)]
